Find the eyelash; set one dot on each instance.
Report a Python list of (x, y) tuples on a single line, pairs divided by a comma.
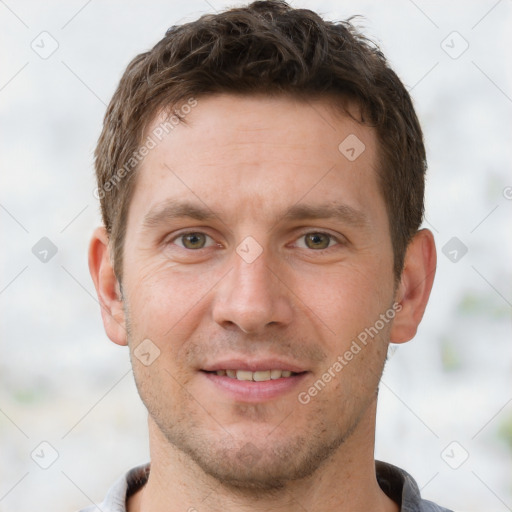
[(331, 237)]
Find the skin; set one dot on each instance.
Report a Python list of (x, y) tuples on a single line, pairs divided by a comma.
[(248, 161)]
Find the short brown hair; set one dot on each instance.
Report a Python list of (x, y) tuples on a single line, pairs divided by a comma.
[(268, 48)]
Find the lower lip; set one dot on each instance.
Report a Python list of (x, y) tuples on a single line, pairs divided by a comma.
[(251, 391)]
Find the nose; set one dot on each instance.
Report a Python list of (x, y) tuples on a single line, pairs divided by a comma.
[(251, 297)]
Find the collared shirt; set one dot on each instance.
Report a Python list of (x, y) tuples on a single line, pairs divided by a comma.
[(395, 482)]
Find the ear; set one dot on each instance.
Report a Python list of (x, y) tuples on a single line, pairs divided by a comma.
[(107, 287), (415, 286)]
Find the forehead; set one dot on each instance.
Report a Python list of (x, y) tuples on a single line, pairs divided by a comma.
[(259, 155)]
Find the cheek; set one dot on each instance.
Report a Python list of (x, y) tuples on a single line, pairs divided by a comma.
[(345, 300), (167, 301), (161, 389)]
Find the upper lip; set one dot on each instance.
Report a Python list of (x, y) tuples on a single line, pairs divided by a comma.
[(253, 365)]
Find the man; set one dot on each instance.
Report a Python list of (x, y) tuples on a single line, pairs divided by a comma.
[(261, 178)]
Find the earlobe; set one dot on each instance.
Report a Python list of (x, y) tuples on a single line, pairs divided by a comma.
[(107, 287), (415, 286)]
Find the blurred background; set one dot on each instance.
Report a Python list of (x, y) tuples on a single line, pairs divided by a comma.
[(71, 421)]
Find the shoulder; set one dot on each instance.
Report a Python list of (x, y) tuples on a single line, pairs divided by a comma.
[(403, 489), (126, 485)]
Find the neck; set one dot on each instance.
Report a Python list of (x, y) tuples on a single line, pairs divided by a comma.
[(346, 482)]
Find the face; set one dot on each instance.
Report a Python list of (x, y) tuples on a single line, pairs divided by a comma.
[(256, 253)]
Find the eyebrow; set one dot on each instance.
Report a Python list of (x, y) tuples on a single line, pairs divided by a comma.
[(338, 211), (173, 209)]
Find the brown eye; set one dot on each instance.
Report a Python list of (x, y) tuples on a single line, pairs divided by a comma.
[(193, 240), (317, 240)]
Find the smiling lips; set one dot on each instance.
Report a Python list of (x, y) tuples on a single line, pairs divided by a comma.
[(257, 376), (246, 380)]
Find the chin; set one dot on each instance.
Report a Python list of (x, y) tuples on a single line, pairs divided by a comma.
[(253, 469), (257, 466)]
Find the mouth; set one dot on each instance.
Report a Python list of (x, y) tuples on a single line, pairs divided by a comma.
[(254, 382), (257, 376)]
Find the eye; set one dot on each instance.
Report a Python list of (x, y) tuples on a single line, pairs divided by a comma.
[(193, 241), (316, 241)]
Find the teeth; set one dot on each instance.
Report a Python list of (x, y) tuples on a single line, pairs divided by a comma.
[(259, 376), (243, 375)]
